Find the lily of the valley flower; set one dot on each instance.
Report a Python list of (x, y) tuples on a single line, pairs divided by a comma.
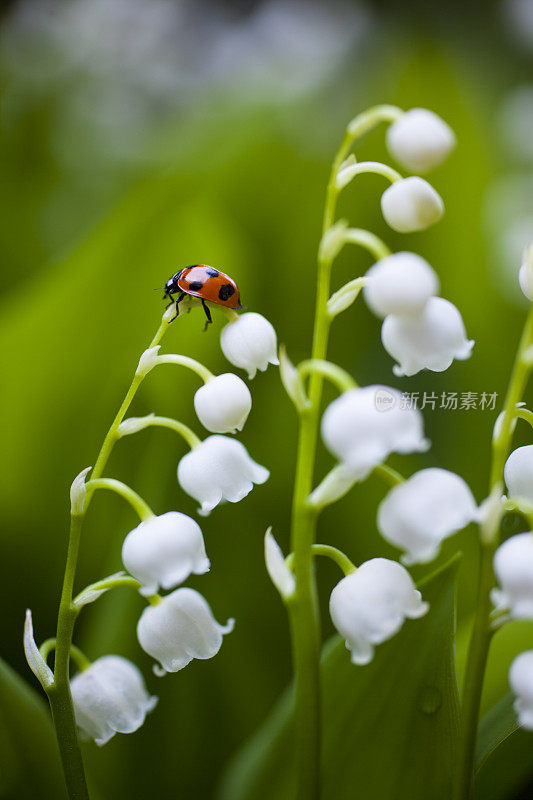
[(370, 605), (521, 682), (110, 697), (250, 342), (430, 340), (363, 426), (223, 403), (513, 566), (219, 469), (411, 204), (525, 274), (418, 514), (420, 140), (400, 284), (163, 551), (518, 473), (178, 629)]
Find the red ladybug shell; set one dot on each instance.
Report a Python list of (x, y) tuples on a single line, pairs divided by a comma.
[(209, 284)]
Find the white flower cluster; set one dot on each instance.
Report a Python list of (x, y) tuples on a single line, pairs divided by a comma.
[(420, 330), (513, 567), (109, 696)]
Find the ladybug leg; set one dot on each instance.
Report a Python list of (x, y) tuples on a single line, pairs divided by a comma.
[(171, 300), (178, 301), (208, 315)]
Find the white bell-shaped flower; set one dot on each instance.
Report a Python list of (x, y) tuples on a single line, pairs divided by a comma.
[(163, 551), (363, 426), (518, 473), (521, 682), (370, 605), (430, 340), (250, 342), (110, 697), (513, 566), (420, 140), (418, 514), (179, 628), (219, 469), (411, 204), (400, 284), (223, 403), (524, 279)]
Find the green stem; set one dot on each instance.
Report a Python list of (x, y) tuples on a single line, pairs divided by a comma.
[(167, 422), (481, 632), (59, 694), (376, 168), (336, 555), (338, 376), (189, 363), (303, 608), (135, 500), (75, 653)]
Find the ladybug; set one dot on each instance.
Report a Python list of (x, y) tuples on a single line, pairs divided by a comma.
[(206, 283)]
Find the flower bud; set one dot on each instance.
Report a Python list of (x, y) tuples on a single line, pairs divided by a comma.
[(370, 605), (411, 204), (518, 473), (78, 492), (250, 342), (521, 682), (430, 340), (400, 284), (363, 426), (223, 403), (513, 566), (420, 140), (219, 469), (110, 697), (36, 662), (179, 628), (163, 551), (418, 514), (281, 576), (148, 359)]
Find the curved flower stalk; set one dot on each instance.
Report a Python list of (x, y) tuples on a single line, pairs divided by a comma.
[(109, 695)]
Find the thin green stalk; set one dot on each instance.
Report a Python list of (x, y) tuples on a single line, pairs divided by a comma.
[(303, 608), (59, 694), (141, 508), (481, 632)]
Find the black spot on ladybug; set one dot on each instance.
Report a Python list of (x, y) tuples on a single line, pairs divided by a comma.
[(225, 292), (213, 273), (195, 286)]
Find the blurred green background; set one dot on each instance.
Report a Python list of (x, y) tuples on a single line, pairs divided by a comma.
[(141, 136)]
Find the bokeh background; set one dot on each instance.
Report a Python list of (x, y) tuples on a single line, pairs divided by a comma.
[(143, 135)]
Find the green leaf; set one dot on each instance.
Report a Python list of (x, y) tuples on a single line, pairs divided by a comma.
[(29, 758), (390, 728), (504, 756)]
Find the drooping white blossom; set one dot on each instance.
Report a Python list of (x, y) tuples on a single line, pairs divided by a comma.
[(223, 403), (420, 140), (513, 567), (163, 551), (363, 426), (411, 204), (219, 469), (419, 513), (250, 342), (521, 682), (401, 283), (525, 274), (430, 340), (370, 605), (110, 697), (518, 473), (280, 574), (178, 629)]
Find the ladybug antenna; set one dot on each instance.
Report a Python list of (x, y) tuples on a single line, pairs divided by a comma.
[(158, 288)]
